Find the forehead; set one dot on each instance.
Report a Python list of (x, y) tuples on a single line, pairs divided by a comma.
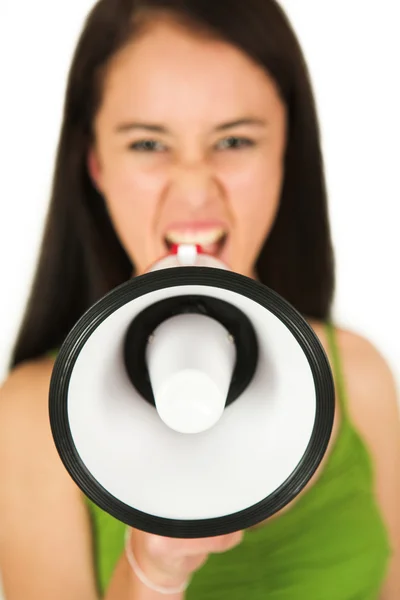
[(169, 71)]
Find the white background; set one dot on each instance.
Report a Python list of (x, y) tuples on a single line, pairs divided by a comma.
[(353, 51)]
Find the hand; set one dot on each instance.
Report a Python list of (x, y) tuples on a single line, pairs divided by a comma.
[(170, 562)]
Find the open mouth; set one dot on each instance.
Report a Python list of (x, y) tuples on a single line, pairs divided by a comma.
[(212, 242)]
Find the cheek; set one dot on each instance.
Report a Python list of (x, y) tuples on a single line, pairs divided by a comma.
[(255, 192), (131, 198)]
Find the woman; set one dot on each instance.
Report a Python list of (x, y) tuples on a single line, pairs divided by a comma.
[(194, 121)]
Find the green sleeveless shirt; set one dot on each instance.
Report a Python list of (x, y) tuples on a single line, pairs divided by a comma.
[(331, 545)]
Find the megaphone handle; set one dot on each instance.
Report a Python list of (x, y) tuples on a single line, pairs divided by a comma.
[(143, 578)]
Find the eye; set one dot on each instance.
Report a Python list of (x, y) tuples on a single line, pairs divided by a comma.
[(147, 146), (235, 143)]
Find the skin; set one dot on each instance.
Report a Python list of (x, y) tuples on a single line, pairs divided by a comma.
[(192, 176), (193, 173)]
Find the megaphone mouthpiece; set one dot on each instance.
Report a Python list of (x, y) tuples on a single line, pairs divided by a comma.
[(190, 359), (187, 255)]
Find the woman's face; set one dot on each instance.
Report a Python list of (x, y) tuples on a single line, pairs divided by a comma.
[(190, 142)]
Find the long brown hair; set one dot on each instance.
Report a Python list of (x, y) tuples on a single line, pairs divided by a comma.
[(81, 256)]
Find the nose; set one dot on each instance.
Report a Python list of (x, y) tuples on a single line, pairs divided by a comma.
[(193, 184)]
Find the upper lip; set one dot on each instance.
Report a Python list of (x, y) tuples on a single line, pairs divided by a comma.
[(195, 226)]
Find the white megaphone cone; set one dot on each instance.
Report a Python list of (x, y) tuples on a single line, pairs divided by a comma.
[(191, 401), (190, 359)]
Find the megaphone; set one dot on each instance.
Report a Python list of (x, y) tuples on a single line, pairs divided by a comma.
[(191, 401)]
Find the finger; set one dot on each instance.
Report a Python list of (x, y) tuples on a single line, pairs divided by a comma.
[(159, 545), (228, 542)]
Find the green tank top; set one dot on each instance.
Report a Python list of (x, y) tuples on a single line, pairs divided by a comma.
[(331, 545)]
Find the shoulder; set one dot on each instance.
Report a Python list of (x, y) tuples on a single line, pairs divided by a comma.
[(24, 403), (373, 406), (27, 450), (370, 385), (371, 393), (24, 392), (25, 375), (26, 441), (371, 398), (36, 484)]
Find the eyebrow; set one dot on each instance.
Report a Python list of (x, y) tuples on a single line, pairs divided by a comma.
[(124, 127)]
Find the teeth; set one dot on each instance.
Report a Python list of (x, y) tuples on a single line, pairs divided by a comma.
[(202, 238)]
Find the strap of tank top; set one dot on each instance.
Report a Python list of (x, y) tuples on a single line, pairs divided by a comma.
[(337, 367)]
